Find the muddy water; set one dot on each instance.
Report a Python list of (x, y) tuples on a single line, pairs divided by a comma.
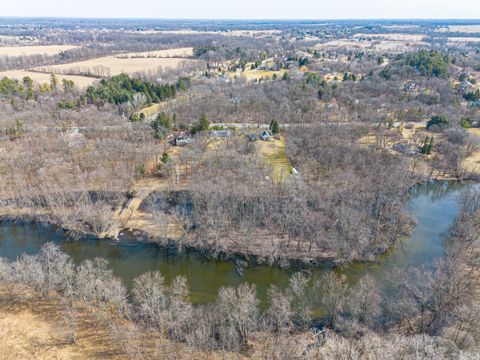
[(434, 205)]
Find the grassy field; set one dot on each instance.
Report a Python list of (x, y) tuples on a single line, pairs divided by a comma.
[(253, 75), (156, 108), (273, 152), (153, 109), (259, 74), (115, 65), (34, 50), (41, 78)]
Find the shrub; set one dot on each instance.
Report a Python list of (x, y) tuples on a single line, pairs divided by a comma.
[(466, 123), (67, 104)]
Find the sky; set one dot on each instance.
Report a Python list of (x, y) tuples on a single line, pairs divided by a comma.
[(246, 9)]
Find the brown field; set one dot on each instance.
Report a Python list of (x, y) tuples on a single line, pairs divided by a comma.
[(170, 53), (41, 78), (34, 50), (113, 65)]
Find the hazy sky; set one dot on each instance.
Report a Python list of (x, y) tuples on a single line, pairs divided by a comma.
[(246, 9)]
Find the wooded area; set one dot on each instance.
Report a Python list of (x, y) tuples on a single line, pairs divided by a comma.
[(292, 146)]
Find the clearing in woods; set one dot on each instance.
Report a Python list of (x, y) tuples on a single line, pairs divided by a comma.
[(262, 74), (273, 151)]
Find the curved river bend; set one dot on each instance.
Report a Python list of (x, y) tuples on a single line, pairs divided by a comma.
[(433, 204)]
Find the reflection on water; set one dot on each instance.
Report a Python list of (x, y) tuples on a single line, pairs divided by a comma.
[(434, 205)]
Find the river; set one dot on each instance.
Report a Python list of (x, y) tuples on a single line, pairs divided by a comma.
[(433, 204)]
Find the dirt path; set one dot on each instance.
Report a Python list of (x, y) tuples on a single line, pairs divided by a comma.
[(130, 216)]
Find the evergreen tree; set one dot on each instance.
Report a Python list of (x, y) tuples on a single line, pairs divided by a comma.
[(203, 123), (438, 121), (165, 158), (274, 127), (427, 145)]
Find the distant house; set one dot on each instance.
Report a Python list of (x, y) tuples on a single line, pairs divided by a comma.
[(411, 87), (220, 133), (183, 140), (265, 135)]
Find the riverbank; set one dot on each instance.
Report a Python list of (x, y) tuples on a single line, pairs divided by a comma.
[(134, 254), (133, 222)]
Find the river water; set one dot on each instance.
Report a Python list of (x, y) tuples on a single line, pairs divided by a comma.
[(433, 204)]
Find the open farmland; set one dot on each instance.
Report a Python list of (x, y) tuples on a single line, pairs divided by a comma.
[(41, 78), (115, 65), (34, 50), (305, 192)]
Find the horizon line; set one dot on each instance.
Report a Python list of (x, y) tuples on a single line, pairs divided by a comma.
[(228, 19)]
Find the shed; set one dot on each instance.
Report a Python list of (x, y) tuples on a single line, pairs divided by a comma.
[(265, 135)]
